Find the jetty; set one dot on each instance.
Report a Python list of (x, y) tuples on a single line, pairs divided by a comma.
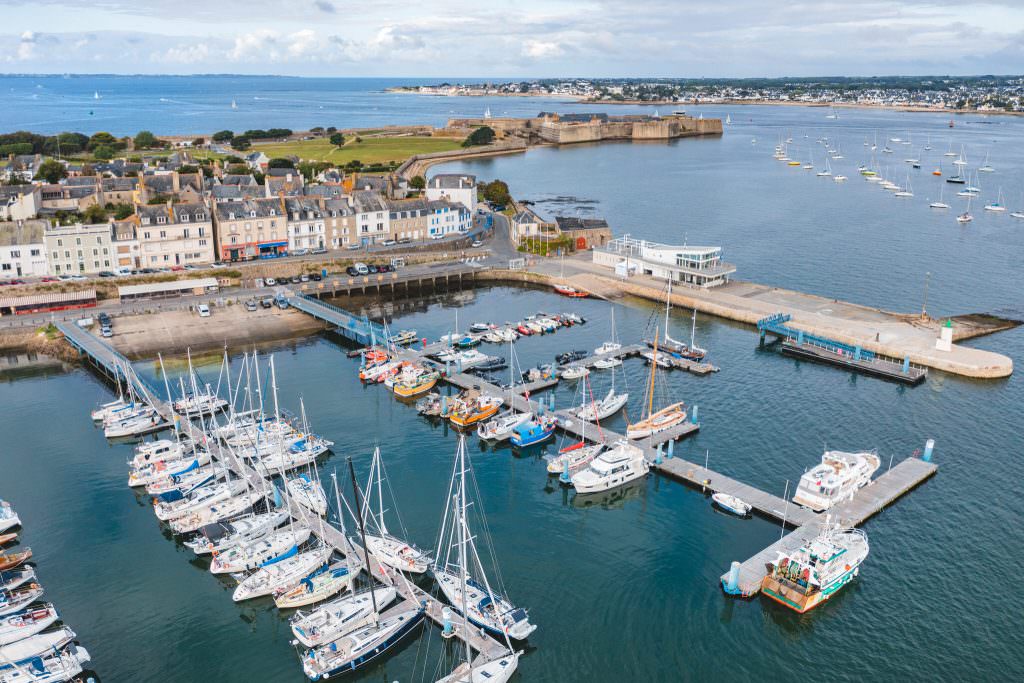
[(105, 358)]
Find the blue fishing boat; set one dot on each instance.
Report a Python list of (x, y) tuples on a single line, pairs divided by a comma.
[(533, 432)]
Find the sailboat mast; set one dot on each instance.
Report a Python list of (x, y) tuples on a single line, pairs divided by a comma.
[(380, 494), (654, 365), (668, 304), (461, 501), (362, 533)]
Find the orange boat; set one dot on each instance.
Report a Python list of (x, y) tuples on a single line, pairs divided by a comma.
[(474, 411), (12, 560), (7, 538), (566, 290), (936, 172)]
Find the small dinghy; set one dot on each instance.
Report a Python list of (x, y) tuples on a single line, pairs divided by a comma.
[(731, 504), (29, 622), (607, 363), (570, 357)]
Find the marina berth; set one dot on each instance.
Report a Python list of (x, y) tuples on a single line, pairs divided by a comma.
[(619, 465), (12, 601), (19, 652), (335, 618), (11, 579), (836, 479), (54, 667), (222, 536), (358, 648)]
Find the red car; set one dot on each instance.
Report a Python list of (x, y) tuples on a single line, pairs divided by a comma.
[(50, 279)]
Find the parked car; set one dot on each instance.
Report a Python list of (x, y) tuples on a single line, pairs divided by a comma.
[(384, 268), (203, 310), (373, 269), (267, 302), (354, 247), (316, 277), (50, 279), (303, 278), (79, 278), (295, 280), (319, 250), (388, 243), (107, 273), (270, 282), (106, 332), (282, 302), (104, 319), (300, 252), (352, 271), (361, 268), (250, 305), (477, 243)]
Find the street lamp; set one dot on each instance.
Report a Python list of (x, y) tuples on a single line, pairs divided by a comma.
[(924, 304)]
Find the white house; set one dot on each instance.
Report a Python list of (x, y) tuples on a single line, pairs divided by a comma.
[(688, 265), (22, 251), (453, 187), (447, 218)]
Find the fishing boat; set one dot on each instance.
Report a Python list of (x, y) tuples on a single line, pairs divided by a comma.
[(16, 600), (500, 427), (619, 465), (385, 546), (342, 615), (285, 570), (8, 517), (836, 479), (308, 493), (533, 431), (566, 290), (322, 584), (403, 338), (15, 627), (53, 667), (575, 372), (480, 327), (731, 504), (459, 571), (21, 651), (14, 559), (803, 579), (477, 410), (414, 385)]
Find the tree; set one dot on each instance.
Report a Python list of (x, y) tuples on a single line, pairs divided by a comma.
[(51, 171), (94, 214), (311, 169), (100, 139), (104, 152), (241, 143), (122, 211), (146, 140), (354, 165), (188, 168), (223, 136), (331, 129), (88, 170), (199, 142), (417, 182), (280, 162), (317, 130), (337, 139), (496, 192), (484, 135), (232, 159)]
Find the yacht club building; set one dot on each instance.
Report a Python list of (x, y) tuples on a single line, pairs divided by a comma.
[(688, 265)]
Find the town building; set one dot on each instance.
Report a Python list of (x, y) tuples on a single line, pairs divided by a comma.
[(306, 226), (79, 249), (186, 187), (447, 218), (372, 217), (454, 188), (409, 219), (175, 235), (251, 228), (340, 223), (687, 265), (527, 225), (127, 251), (283, 182), (20, 202), (22, 250), (585, 233)]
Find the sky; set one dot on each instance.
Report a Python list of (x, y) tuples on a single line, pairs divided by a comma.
[(517, 39)]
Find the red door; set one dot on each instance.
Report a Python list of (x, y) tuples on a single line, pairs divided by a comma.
[(581, 243)]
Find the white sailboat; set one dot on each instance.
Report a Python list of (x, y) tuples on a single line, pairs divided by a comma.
[(939, 204), (986, 167), (997, 205), (609, 346), (385, 546), (470, 593)]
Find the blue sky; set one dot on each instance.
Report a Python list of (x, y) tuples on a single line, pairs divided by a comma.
[(437, 38)]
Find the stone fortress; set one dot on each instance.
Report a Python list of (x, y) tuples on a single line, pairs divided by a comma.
[(563, 129)]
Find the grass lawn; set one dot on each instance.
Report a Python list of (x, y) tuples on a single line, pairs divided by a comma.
[(369, 151)]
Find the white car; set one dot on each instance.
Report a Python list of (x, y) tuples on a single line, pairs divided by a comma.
[(203, 310), (477, 243)]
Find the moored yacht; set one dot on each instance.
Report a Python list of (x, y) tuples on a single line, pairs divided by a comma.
[(839, 476), (619, 465)]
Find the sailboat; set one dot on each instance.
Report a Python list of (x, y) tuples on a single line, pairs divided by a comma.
[(609, 346), (385, 546), (985, 167), (461, 576), (966, 216), (828, 170), (728, 119), (997, 205), (908, 191), (96, 95), (234, 105), (832, 114), (939, 204), (663, 419)]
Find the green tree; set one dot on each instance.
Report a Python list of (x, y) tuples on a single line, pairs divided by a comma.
[(496, 192), (331, 129), (94, 214), (241, 143), (354, 165), (122, 211), (311, 169), (51, 171), (223, 136), (100, 139), (484, 135), (146, 140), (417, 182), (337, 139), (104, 152), (280, 162), (198, 142), (188, 168), (238, 169)]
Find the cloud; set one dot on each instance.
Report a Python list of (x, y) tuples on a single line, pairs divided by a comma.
[(26, 46), (540, 49), (324, 6)]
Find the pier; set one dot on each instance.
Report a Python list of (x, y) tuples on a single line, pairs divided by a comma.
[(108, 360)]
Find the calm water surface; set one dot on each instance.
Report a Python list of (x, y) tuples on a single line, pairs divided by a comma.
[(625, 587)]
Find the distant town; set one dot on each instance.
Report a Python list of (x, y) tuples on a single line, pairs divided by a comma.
[(978, 93)]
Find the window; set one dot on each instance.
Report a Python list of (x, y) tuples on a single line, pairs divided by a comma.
[(145, 220), (145, 235), (5, 266), (15, 253), (202, 232), (95, 252), (60, 243), (252, 214), (56, 255), (34, 252), (161, 219), (183, 218), (67, 253), (78, 241), (104, 251), (184, 233), (202, 243), (234, 240), (163, 234), (95, 264), (200, 217), (99, 239), (106, 263)]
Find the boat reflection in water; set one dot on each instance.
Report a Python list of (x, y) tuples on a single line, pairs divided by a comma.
[(614, 499)]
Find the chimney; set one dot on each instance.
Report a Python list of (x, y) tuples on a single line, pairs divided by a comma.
[(175, 181)]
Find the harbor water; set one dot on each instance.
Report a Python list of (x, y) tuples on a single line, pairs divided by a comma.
[(626, 585)]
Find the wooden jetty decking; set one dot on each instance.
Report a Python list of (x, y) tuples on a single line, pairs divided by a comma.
[(107, 358), (867, 502)]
